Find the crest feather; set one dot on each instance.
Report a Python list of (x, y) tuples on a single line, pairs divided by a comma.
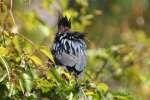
[(64, 21)]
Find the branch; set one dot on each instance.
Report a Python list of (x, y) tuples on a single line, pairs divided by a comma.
[(1, 5), (11, 11)]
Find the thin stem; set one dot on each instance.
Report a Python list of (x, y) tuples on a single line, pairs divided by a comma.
[(11, 11), (1, 5)]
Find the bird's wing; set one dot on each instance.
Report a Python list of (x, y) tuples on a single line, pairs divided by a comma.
[(67, 59), (82, 58)]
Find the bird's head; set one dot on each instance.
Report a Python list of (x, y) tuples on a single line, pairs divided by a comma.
[(64, 24)]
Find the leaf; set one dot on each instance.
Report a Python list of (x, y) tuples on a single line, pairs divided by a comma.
[(70, 97), (4, 51), (10, 87), (103, 87), (89, 93), (34, 73), (3, 77), (66, 75), (21, 85), (16, 43), (11, 91), (36, 60), (120, 97), (70, 13), (47, 53), (27, 82), (28, 48), (88, 17), (6, 66)]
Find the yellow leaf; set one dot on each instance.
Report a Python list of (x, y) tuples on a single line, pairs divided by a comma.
[(4, 51), (47, 53), (103, 87), (36, 60), (89, 93), (70, 13), (67, 75)]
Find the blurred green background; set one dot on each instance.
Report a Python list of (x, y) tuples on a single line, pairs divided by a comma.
[(118, 37)]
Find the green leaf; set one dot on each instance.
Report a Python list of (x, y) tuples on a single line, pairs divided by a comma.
[(16, 43), (120, 97), (6, 66), (27, 82), (28, 48)]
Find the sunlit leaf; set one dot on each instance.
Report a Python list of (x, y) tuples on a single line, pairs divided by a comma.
[(11, 92), (70, 96), (87, 17), (47, 53), (103, 87), (10, 87), (3, 77), (34, 73), (66, 75), (21, 85), (6, 66), (70, 13), (4, 51), (89, 93), (36, 60), (27, 82)]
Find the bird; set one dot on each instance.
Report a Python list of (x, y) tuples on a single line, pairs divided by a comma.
[(69, 47)]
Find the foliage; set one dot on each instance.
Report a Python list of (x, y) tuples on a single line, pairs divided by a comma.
[(24, 75), (118, 50)]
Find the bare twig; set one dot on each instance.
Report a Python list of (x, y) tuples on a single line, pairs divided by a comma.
[(11, 11), (1, 5)]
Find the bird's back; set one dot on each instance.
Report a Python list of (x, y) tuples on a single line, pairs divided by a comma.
[(69, 50)]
